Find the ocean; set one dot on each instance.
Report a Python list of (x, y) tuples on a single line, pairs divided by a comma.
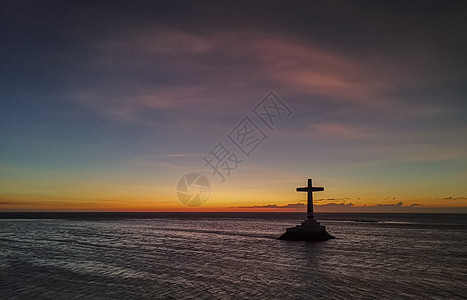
[(231, 256)]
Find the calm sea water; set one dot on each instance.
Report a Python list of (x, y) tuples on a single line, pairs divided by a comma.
[(231, 256)]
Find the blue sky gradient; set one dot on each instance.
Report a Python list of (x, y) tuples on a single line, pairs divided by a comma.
[(117, 102)]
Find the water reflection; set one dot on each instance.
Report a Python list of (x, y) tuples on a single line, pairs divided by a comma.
[(227, 258)]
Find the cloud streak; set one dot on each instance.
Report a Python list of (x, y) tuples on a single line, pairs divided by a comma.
[(350, 207), (176, 70), (288, 206)]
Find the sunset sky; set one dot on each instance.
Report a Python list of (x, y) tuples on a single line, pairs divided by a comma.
[(105, 107)]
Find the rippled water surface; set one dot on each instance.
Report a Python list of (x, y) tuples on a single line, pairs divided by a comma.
[(233, 256)]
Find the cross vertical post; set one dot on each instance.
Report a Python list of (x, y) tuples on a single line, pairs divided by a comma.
[(309, 208), (310, 189)]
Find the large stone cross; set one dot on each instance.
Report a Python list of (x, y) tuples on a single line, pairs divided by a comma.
[(310, 189)]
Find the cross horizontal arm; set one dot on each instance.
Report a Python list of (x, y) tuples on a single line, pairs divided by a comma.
[(313, 189)]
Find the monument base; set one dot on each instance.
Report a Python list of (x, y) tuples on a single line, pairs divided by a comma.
[(310, 230)]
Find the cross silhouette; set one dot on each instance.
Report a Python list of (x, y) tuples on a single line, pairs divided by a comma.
[(310, 189)]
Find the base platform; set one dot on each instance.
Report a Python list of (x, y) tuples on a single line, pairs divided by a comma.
[(310, 230)]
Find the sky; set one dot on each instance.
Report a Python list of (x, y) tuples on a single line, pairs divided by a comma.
[(106, 106)]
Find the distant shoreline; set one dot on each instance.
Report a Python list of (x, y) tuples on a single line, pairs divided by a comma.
[(150, 215)]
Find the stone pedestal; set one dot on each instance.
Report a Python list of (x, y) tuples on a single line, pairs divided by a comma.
[(310, 230)]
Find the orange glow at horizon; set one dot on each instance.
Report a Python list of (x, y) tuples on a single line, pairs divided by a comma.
[(169, 203)]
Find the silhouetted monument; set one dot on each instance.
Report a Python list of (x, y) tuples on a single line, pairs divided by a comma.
[(310, 229)]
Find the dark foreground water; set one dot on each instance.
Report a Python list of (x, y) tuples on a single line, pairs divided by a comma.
[(231, 256)]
